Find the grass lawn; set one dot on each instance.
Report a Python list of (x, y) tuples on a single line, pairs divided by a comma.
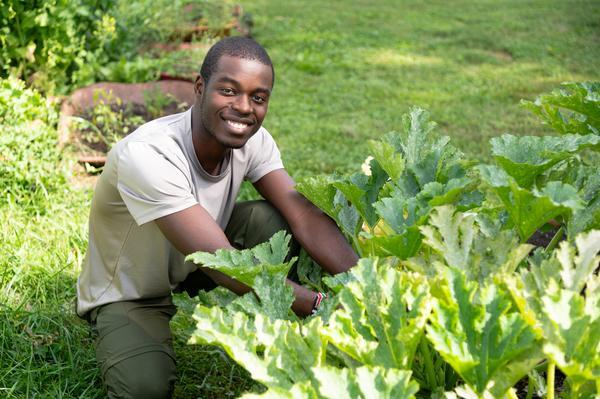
[(345, 73)]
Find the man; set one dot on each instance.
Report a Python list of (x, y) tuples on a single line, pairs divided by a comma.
[(168, 190)]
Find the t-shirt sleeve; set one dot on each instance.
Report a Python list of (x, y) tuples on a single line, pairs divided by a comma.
[(265, 156), (152, 183)]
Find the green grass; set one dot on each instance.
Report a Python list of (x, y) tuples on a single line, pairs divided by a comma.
[(45, 349), (346, 72)]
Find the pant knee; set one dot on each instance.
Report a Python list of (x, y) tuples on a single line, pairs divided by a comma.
[(267, 219), (147, 376), (254, 222)]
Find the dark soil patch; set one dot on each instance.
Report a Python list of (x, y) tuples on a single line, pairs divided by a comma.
[(559, 386), (542, 238)]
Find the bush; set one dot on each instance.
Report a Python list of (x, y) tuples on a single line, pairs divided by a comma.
[(46, 42), (58, 44), (29, 158)]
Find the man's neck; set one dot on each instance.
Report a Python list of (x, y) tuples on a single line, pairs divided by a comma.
[(210, 153)]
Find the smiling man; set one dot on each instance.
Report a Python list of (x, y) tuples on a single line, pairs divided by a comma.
[(169, 189)]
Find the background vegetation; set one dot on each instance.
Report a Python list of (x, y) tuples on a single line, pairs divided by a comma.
[(346, 72)]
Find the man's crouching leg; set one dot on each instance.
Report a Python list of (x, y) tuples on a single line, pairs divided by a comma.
[(255, 222), (134, 348)]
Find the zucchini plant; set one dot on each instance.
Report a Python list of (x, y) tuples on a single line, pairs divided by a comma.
[(449, 299)]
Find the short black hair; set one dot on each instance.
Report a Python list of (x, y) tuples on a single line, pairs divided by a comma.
[(234, 46)]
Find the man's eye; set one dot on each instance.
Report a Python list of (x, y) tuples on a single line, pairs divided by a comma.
[(227, 91), (259, 99)]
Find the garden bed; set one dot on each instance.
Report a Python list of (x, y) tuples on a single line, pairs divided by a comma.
[(93, 118)]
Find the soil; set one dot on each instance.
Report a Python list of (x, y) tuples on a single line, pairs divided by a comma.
[(559, 381), (542, 238)]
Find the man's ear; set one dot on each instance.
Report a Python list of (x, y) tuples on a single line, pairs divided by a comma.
[(199, 86)]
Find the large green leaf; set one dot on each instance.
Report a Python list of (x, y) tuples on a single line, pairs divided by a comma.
[(309, 272), (263, 268), (529, 210), (388, 157), (451, 235), (452, 192), (348, 218), (365, 382), (402, 246), (426, 158), (277, 353), (415, 137), (434, 171), (332, 194), (575, 108), (320, 191), (289, 358), (382, 317), (401, 216), (244, 265), (276, 297), (360, 383), (460, 243), (338, 281), (362, 191), (526, 157), (587, 218), (478, 332), (560, 297), (399, 213), (414, 168)]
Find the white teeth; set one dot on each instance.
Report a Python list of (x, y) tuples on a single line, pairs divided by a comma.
[(237, 125)]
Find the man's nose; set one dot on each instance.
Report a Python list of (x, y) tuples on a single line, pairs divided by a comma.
[(242, 105)]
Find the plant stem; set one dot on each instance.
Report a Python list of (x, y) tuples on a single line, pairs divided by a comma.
[(429, 370), (550, 379), (555, 239), (372, 232), (529, 387), (357, 247)]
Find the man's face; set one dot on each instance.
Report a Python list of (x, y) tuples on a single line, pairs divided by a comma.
[(234, 102)]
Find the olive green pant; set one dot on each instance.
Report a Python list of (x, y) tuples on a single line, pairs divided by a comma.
[(134, 345)]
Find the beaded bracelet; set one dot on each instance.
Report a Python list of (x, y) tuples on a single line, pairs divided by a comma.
[(318, 300)]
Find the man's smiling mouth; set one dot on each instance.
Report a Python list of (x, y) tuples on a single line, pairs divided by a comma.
[(238, 126)]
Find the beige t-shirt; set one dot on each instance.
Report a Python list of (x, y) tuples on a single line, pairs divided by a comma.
[(151, 173)]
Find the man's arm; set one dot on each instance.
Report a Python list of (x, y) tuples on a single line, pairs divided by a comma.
[(193, 229), (314, 230)]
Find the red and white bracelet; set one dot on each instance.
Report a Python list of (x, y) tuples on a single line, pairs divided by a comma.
[(318, 300)]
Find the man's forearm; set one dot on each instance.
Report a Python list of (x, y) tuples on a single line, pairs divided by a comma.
[(188, 235), (321, 238)]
